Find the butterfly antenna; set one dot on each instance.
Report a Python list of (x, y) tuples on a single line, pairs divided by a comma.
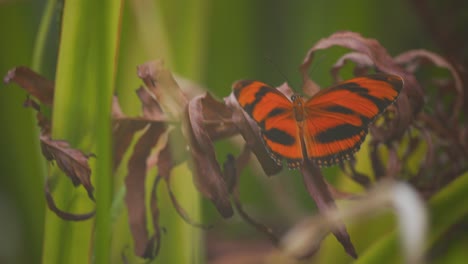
[(277, 68)]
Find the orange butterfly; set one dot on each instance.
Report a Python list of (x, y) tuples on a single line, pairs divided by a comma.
[(326, 128)]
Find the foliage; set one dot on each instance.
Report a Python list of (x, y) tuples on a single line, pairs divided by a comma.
[(426, 146)]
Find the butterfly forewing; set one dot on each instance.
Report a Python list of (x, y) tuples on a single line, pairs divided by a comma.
[(274, 114), (338, 117)]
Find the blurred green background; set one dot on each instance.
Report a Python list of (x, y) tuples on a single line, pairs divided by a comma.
[(210, 42)]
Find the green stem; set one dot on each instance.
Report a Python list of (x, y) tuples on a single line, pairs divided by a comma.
[(42, 34)]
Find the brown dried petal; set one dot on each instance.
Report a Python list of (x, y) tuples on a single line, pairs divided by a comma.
[(208, 177), (72, 162), (33, 83)]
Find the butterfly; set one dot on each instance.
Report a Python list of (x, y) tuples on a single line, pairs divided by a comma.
[(325, 129)]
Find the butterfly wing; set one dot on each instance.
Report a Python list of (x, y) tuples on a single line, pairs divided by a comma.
[(338, 117), (273, 112)]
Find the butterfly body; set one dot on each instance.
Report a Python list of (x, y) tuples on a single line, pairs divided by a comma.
[(325, 129)]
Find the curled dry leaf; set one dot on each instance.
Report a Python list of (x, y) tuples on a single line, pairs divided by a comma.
[(42, 121), (154, 244), (150, 107), (377, 163), (172, 153), (318, 190), (208, 177), (62, 214), (382, 61), (413, 60), (162, 85), (123, 130), (135, 187), (232, 168), (351, 172), (217, 119), (404, 200), (440, 130), (180, 210), (362, 61), (251, 134), (137, 170), (72, 162), (33, 83)]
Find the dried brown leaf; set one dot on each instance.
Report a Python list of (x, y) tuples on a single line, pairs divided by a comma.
[(393, 164), (356, 42), (180, 210), (414, 58), (135, 187), (116, 110), (154, 243), (287, 91), (251, 134), (217, 119), (362, 61), (165, 161), (173, 152), (207, 175), (251, 221), (150, 107), (62, 214), (124, 128), (42, 121), (163, 86), (376, 161), (72, 162), (232, 168), (358, 177), (230, 172), (123, 131), (33, 83), (383, 62), (341, 195), (320, 192)]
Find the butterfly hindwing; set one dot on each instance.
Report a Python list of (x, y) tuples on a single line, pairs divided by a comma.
[(338, 117), (273, 112)]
